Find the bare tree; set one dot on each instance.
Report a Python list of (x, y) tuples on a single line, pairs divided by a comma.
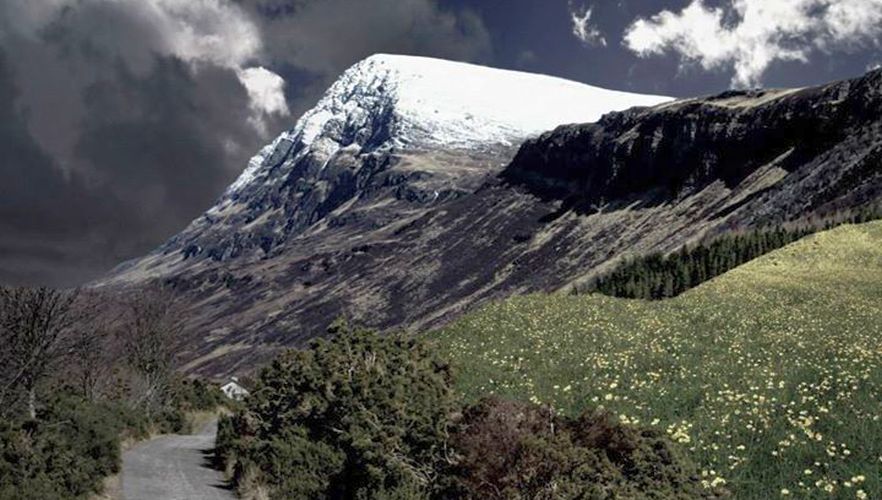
[(149, 334), (33, 322), (92, 351)]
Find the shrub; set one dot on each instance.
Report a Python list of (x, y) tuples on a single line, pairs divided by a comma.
[(516, 450), (196, 395), (66, 451), (171, 421), (367, 416), (359, 416), (226, 437)]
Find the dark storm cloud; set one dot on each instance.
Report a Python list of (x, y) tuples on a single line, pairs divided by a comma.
[(123, 121), (47, 218), (151, 152), (167, 142), (110, 141)]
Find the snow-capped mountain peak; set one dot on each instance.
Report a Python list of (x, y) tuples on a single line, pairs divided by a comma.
[(393, 101), (455, 104), (393, 137)]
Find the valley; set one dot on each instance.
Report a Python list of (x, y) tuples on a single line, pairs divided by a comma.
[(440, 250), (767, 375)]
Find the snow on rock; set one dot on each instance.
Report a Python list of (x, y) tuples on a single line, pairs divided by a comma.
[(391, 101)]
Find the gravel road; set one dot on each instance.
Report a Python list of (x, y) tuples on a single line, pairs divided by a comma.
[(174, 468)]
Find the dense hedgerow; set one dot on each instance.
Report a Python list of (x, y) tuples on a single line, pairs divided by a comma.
[(74, 443), (368, 416), (359, 416), (66, 451)]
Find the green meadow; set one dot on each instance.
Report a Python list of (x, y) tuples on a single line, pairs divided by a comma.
[(770, 375)]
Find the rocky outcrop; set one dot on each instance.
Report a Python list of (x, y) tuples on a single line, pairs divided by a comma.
[(828, 138)]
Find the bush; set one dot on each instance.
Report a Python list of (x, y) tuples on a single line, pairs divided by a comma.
[(171, 421), (196, 395), (66, 451), (186, 395), (516, 450), (365, 416), (359, 416), (226, 438)]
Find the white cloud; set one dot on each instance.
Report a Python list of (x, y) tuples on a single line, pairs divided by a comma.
[(215, 31), (199, 32), (266, 91), (220, 33), (584, 30), (748, 36)]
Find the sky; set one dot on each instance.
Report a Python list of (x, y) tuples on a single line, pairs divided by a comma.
[(123, 120)]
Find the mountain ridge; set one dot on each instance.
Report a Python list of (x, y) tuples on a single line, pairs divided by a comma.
[(691, 143), (380, 110), (399, 102), (412, 238)]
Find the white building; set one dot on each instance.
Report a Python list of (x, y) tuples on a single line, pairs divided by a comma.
[(233, 390)]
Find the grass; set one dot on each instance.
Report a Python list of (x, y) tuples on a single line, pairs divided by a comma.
[(771, 375)]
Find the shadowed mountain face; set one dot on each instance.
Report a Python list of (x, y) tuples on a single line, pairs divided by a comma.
[(370, 215), (825, 140)]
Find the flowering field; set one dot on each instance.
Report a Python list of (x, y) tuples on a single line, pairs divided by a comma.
[(771, 374)]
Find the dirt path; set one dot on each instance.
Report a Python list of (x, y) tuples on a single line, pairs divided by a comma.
[(174, 468)]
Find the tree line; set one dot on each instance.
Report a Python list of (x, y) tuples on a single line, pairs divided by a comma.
[(660, 276), (93, 342)]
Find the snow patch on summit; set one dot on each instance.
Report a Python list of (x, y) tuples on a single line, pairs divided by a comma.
[(459, 105)]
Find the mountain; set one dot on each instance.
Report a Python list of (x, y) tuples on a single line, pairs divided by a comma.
[(749, 369), (805, 151), (404, 199), (410, 131)]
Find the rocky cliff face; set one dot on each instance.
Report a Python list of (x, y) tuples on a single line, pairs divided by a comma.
[(384, 206), (824, 143)]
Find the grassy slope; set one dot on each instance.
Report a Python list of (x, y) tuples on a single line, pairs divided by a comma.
[(770, 374)]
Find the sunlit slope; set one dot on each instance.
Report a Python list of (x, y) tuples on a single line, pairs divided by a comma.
[(770, 374)]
